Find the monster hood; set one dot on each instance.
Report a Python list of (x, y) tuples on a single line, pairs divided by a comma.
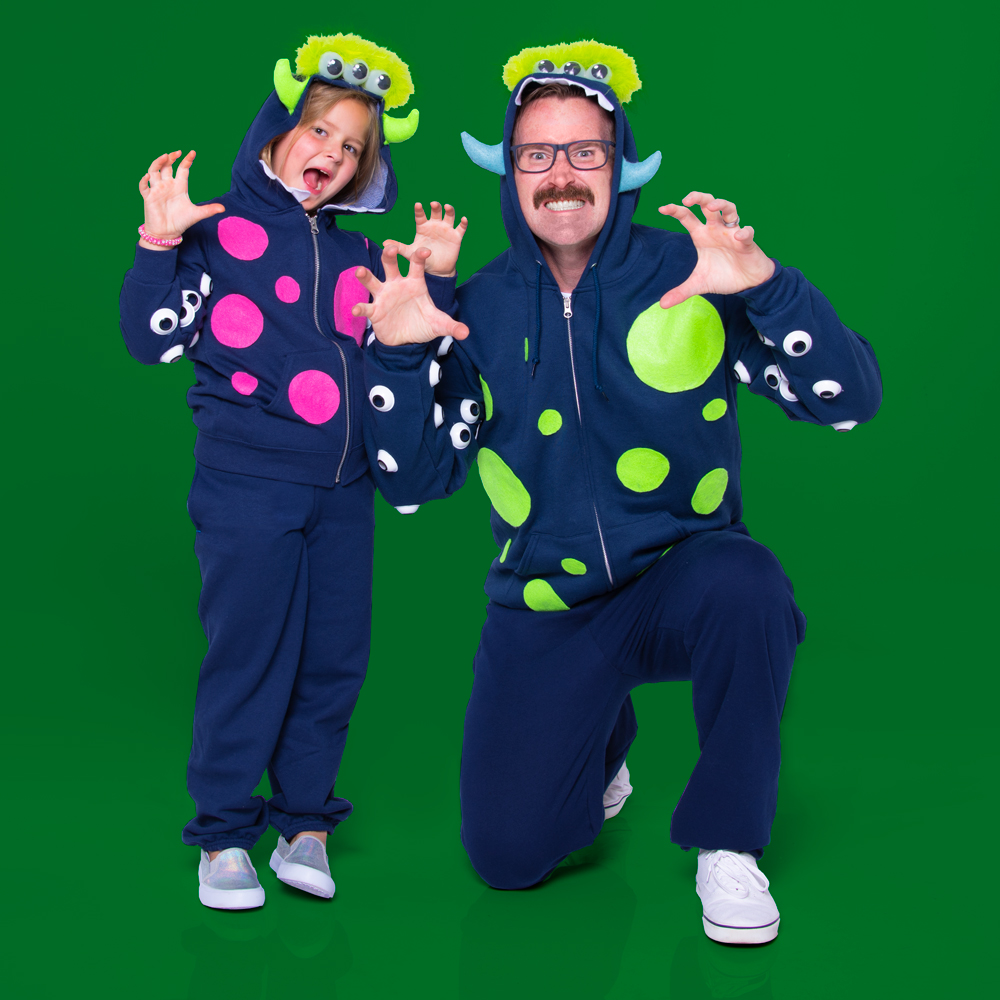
[(342, 60)]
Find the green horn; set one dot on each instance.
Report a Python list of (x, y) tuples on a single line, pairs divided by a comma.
[(289, 89), (400, 129)]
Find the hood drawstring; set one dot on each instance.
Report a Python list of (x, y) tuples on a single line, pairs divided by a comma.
[(597, 323), (538, 317)]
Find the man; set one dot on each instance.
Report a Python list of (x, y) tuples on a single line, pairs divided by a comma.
[(597, 387)]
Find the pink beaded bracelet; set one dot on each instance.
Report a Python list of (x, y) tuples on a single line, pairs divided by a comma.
[(156, 241)]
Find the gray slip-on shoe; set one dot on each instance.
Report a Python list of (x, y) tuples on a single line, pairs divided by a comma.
[(229, 882), (304, 865)]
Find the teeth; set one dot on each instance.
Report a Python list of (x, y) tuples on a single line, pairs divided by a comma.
[(563, 206)]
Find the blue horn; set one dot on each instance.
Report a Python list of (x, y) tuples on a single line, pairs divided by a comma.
[(488, 157), (636, 174)]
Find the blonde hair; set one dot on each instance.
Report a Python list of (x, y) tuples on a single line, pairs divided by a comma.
[(320, 98)]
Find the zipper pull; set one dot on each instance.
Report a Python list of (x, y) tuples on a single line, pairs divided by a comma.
[(567, 304), (313, 227)]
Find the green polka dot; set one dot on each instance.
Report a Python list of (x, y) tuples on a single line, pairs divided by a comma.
[(714, 409), (710, 491), (642, 469), (525, 348), (503, 555), (506, 492), (574, 567), (678, 348), (487, 398), (539, 596), (550, 421)]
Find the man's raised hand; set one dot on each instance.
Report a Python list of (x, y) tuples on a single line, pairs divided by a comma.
[(169, 210), (402, 311), (728, 259), (439, 235)]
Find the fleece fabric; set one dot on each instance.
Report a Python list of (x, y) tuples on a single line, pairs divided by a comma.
[(605, 428)]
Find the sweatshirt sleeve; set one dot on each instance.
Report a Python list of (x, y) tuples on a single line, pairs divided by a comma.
[(162, 301), (793, 349), (425, 404)]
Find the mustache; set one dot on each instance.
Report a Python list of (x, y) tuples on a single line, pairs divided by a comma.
[(572, 192)]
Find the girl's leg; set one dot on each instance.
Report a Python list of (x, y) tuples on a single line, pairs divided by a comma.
[(254, 568), (334, 659)]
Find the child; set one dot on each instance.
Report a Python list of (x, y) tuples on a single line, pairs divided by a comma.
[(258, 290)]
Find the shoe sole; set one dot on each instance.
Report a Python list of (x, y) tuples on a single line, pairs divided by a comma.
[(303, 877), (231, 899), (741, 935)]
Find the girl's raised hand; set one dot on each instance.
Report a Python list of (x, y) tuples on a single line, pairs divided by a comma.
[(439, 235), (169, 210)]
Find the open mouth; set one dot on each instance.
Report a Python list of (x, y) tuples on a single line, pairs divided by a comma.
[(563, 206), (315, 179)]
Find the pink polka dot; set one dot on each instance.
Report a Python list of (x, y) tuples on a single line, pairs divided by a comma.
[(348, 293), (236, 321), (314, 396), (244, 383), (287, 289), (241, 238)]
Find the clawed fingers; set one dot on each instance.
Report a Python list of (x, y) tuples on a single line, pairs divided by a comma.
[(744, 235), (419, 215), (390, 263), (726, 212), (184, 167), (683, 215), (368, 280), (417, 260), (436, 211), (366, 309), (677, 295)]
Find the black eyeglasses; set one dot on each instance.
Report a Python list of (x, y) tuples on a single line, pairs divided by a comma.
[(585, 154)]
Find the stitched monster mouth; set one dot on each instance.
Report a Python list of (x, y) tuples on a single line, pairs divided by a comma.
[(315, 179)]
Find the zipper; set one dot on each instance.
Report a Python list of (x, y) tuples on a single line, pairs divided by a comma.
[(567, 298), (314, 232)]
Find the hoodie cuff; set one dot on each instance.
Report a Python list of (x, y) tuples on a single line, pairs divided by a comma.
[(399, 358), (773, 295), (154, 267), (442, 292)]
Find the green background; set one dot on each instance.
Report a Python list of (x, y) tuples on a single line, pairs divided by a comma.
[(857, 138)]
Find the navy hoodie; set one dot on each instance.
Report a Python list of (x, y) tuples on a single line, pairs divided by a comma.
[(604, 426), (259, 298)]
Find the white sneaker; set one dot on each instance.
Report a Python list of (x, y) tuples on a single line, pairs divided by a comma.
[(617, 792), (304, 865), (737, 908), (229, 882)]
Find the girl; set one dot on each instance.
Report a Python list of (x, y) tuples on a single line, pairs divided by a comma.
[(258, 289)]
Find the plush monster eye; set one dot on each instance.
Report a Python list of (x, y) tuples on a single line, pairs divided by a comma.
[(572, 68), (438, 415), (844, 425), (386, 462), (164, 321), (331, 65), (741, 373), (434, 373), (797, 343), (410, 508), (382, 399), (545, 66), (358, 73), (765, 340), (172, 354), (772, 376), (378, 83), (205, 285), (599, 72), (826, 388), (187, 315), (445, 346), (461, 436), (786, 391), (470, 411)]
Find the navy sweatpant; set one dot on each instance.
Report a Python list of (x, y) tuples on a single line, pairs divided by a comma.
[(285, 602), (550, 719)]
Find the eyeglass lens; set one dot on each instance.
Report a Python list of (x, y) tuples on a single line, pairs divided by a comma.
[(587, 154)]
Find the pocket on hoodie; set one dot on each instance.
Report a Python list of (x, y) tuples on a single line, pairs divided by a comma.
[(310, 401), (554, 555)]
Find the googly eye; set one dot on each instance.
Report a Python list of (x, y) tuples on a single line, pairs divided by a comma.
[(765, 340), (434, 373), (410, 508), (826, 388), (382, 399), (358, 73), (438, 415), (545, 66), (378, 83), (772, 376), (205, 286), (192, 298), (195, 339), (164, 321), (187, 315), (461, 436), (844, 425), (331, 65), (572, 68), (741, 372), (470, 411), (386, 462), (371, 339), (797, 343), (172, 354), (785, 389), (445, 346), (599, 72)]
